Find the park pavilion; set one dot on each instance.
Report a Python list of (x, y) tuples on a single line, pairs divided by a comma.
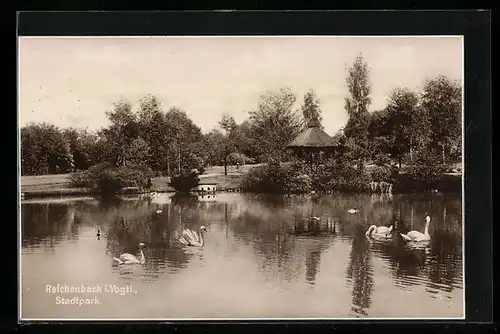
[(313, 145)]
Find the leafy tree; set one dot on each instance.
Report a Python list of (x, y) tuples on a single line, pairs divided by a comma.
[(156, 132), (122, 130), (83, 146), (442, 100), (137, 152), (214, 144), (246, 143), (311, 110), (44, 150), (185, 137), (275, 123), (356, 105), (228, 124), (407, 122)]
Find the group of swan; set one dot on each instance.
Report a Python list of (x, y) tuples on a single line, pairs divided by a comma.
[(189, 238), (412, 236), (192, 238)]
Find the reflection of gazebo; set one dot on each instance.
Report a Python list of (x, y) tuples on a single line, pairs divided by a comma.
[(313, 144)]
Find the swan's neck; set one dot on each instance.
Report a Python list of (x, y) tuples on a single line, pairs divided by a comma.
[(372, 229), (202, 241), (426, 231), (142, 257)]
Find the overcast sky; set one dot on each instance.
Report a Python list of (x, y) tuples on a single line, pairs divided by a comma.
[(73, 81)]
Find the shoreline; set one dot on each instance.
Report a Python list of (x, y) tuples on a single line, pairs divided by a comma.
[(46, 186)]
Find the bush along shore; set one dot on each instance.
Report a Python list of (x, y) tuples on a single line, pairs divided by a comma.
[(273, 178), (341, 176)]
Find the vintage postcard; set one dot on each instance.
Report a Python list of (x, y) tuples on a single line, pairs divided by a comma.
[(264, 177)]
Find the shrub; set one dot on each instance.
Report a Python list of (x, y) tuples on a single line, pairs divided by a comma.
[(299, 184), (201, 170), (383, 173), (276, 178), (424, 172), (339, 175), (109, 180), (185, 182), (80, 178)]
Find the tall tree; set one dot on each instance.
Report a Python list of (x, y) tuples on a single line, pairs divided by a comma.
[(442, 99), (122, 130), (44, 150), (156, 133), (82, 146), (356, 105), (311, 110), (228, 124), (275, 123), (187, 139), (407, 121)]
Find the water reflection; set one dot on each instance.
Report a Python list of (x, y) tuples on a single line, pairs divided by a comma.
[(266, 247), (359, 272)]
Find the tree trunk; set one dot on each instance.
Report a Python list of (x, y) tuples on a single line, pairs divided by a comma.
[(168, 166), (444, 155), (179, 161), (225, 164), (411, 149)]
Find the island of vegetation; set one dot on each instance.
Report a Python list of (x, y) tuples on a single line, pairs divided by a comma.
[(414, 144)]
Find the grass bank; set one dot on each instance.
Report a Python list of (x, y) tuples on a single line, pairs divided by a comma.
[(60, 184)]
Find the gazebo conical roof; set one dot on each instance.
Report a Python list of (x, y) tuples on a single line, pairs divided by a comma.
[(313, 137)]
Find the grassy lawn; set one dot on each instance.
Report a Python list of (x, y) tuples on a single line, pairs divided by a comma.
[(61, 182)]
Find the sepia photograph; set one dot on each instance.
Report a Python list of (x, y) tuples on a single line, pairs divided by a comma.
[(240, 177)]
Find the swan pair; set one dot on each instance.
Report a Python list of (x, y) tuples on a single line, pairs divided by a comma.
[(189, 238), (417, 236), (413, 236)]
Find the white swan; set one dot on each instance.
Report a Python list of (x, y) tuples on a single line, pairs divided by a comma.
[(315, 218), (378, 231), (353, 210), (419, 236), (158, 210), (127, 258), (192, 238)]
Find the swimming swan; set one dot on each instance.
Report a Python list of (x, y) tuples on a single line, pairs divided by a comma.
[(127, 258), (192, 238), (419, 236), (374, 231), (353, 210)]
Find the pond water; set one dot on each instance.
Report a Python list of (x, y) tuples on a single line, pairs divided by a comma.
[(261, 258)]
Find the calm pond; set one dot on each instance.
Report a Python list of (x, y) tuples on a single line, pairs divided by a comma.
[(260, 259)]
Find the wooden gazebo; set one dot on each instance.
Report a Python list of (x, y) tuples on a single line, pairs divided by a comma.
[(313, 145)]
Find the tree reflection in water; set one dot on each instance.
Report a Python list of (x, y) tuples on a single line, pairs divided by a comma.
[(159, 232), (438, 263), (44, 224), (266, 224), (359, 272)]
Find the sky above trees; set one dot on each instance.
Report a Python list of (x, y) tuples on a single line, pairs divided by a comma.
[(73, 81)]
